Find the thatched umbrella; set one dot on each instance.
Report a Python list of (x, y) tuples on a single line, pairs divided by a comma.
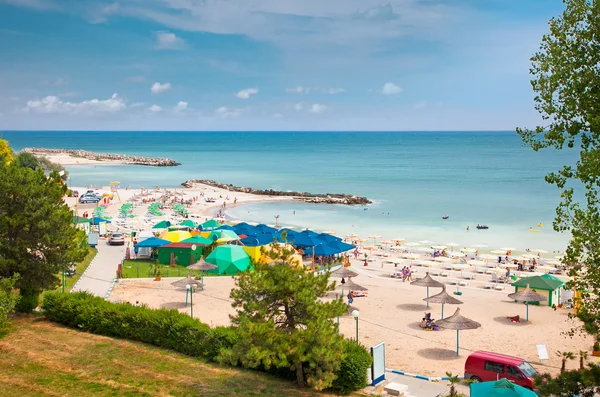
[(184, 282), (443, 298), (427, 281), (343, 272), (203, 266), (457, 322), (351, 286), (527, 295)]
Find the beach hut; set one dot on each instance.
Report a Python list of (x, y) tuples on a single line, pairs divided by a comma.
[(184, 254), (546, 285), (229, 259)]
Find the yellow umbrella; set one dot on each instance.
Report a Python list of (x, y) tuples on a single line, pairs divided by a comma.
[(175, 236), (375, 237)]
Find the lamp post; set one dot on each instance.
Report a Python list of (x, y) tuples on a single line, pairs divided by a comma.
[(191, 291), (355, 314), (276, 220)]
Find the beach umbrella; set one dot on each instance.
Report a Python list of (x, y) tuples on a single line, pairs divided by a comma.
[(459, 323), (230, 259), (499, 388), (189, 223), (189, 280), (343, 272), (352, 286), (175, 236), (152, 242), (451, 245), (527, 295), (398, 240), (162, 225), (203, 266), (479, 245), (439, 247), (443, 298), (427, 281), (223, 236), (375, 237), (197, 239), (472, 250), (210, 224), (499, 252)]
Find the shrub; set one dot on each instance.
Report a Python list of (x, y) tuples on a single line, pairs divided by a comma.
[(352, 374), (29, 300), (8, 299)]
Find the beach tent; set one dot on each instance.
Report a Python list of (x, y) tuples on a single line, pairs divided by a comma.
[(257, 240), (304, 239), (152, 242), (546, 285), (229, 259), (162, 225), (223, 236), (189, 223), (290, 234), (500, 388), (328, 237), (96, 220), (198, 240), (259, 254), (184, 253), (326, 250), (225, 227), (210, 224), (175, 236)]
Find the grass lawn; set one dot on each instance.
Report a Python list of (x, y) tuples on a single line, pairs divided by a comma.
[(39, 358), (141, 268), (80, 269)]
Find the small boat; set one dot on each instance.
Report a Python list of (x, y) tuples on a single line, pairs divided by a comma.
[(445, 217), (532, 230), (483, 227)]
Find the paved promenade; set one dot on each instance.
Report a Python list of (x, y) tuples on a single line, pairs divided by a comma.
[(103, 271)]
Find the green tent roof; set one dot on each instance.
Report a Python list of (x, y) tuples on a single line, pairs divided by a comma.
[(500, 388), (229, 259), (162, 225), (211, 224), (80, 219), (197, 239), (189, 223), (539, 282)]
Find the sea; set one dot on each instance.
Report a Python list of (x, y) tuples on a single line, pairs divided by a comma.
[(413, 178)]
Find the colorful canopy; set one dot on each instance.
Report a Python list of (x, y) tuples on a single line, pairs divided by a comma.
[(540, 282), (96, 220), (189, 223), (223, 236), (175, 236), (211, 224), (80, 219), (230, 259), (197, 239), (500, 388), (162, 225), (152, 242)]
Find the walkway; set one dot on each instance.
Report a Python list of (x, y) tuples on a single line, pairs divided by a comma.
[(103, 271)]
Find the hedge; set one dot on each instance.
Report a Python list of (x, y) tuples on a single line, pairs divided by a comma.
[(179, 332)]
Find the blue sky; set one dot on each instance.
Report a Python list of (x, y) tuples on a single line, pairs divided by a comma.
[(269, 64)]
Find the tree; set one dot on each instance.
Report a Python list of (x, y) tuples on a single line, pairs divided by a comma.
[(566, 82), (454, 380), (28, 160), (583, 355), (37, 236), (284, 321), (564, 356), (8, 299), (6, 153)]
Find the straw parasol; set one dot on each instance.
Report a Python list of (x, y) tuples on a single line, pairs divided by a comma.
[(458, 322), (202, 265), (527, 295), (189, 280), (427, 281), (443, 298), (343, 272), (352, 286)]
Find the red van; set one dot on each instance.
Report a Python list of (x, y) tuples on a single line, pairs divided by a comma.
[(486, 366)]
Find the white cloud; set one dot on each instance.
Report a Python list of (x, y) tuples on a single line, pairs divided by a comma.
[(137, 105), (298, 107), (155, 108), (169, 41), (99, 15), (136, 79), (317, 108), (298, 90), (53, 104), (226, 112), (181, 107), (245, 94), (390, 89), (158, 88), (333, 91)]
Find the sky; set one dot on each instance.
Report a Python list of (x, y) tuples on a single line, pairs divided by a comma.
[(269, 64)]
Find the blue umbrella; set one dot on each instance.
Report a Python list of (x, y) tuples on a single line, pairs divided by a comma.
[(96, 220), (328, 237), (306, 240), (325, 250), (225, 227), (152, 242)]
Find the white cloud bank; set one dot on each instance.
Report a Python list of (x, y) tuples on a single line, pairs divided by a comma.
[(158, 88), (317, 108), (225, 112), (245, 94), (53, 104), (154, 108), (390, 89), (169, 41)]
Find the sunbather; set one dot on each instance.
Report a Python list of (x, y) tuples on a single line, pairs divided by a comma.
[(514, 319)]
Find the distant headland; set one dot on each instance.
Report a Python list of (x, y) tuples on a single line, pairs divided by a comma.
[(319, 198), (103, 157)]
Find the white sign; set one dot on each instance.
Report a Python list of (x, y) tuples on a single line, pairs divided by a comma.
[(193, 247), (542, 352), (378, 367)]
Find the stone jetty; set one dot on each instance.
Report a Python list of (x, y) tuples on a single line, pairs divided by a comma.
[(120, 158), (326, 198)]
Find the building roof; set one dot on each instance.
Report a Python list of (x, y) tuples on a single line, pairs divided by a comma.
[(539, 282), (178, 245)]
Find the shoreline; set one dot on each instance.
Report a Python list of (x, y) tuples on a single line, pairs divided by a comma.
[(67, 156)]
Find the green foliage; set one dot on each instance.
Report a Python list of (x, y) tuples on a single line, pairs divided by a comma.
[(28, 160), (564, 356), (8, 299), (37, 238), (50, 167), (29, 301), (352, 374), (6, 153), (283, 322), (582, 383), (164, 328)]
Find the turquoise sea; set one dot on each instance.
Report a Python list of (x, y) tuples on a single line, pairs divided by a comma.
[(414, 178)]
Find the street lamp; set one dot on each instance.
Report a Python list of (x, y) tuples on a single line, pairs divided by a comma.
[(191, 292), (355, 314), (276, 220)]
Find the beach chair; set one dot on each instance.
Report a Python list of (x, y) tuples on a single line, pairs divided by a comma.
[(488, 286), (495, 278), (444, 274), (463, 283), (468, 276), (434, 272), (499, 287), (480, 269)]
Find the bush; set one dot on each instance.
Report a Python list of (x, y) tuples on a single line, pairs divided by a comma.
[(8, 299), (164, 328), (352, 374), (29, 300)]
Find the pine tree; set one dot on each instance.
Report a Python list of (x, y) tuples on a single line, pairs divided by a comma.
[(285, 322)]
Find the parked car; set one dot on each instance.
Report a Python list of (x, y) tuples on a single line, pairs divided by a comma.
[(116, 238), (484, 366), (88, 199)]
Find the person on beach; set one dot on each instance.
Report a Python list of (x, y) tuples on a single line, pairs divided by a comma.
[(350, 299), (467, 228), (356, 253)]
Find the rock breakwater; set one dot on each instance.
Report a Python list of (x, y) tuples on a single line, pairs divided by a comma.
[(113, 157), (325, 198)]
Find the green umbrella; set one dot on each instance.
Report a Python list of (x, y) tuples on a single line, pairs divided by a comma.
[(501, 388), (211, 224), (162, 225), (230, 259), (189, 223), (222, 236), (80, 219), (198, 239)]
